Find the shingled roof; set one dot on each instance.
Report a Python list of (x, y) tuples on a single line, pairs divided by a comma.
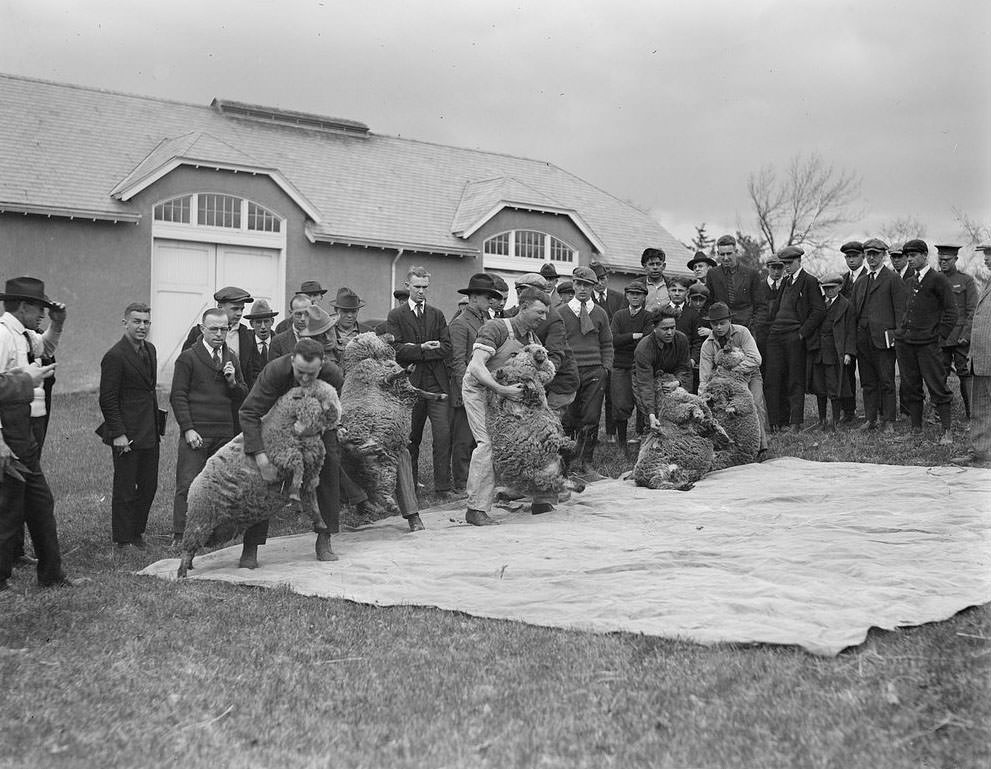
[(68, 150)]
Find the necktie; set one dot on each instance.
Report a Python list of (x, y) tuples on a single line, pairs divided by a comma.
[(143, 354), (872, 275), (216, 359), (264, 350), (730, 288), (31, 355), (585, 323), (418, 310), (774, 285)]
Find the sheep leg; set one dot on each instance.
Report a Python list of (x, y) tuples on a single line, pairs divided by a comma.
[(185, 564), (309, 504)]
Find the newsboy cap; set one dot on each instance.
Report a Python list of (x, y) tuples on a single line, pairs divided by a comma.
[(915, 246), (831, 280), (549, 271), (232, 294), (790, 253), (565, 287), (635, 287), (599, 269), (698, 289), (584, 275), (401, 294), (895, 250), (852, 247), (531, 279), (875, 244)]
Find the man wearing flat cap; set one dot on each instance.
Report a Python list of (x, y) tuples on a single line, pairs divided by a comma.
[(610, 301), (853, 255), (900, 262), (653, 261), (930, 315), (955, 345), (261, 318), (836, 353), (629, 325), (878, 301), (231, 300), (734, 284), (313, 291), (796, 315)]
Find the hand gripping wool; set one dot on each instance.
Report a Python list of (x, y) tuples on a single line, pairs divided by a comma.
[(527, 439), (377, 399), (681, 450), (229, 495), (728, 396)]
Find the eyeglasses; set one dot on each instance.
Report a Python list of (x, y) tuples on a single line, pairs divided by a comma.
[(217, 329)]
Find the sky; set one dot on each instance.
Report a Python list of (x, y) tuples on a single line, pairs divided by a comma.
[(669, 105)]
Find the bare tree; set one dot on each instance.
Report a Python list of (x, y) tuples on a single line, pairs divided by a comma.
[(803, 205), (702, 241), (903, 228), (973, 235)]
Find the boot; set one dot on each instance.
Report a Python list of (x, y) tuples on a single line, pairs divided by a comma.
[(249, 557), (415, 524), (621, 438), (965, 394), (324, 553)]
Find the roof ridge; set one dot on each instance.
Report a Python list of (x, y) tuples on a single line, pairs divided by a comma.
[(109, 91), (467, 149)]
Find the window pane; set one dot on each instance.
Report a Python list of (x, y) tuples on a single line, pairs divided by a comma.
[(175, 210), (219, 211), (262, 219), (498, 245), (530, 244), (561, 251)]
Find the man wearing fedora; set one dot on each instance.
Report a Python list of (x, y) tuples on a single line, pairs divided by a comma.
[(463, 330), (21, 344), (550, 275), (421, 338), (207, 391), (284, 342), (255, 357), (345, 323), (231, 300), (25, 497), (313, 291), (132, 425), (700, 264)]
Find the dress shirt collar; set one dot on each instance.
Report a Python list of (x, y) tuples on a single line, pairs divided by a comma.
[(412, 305), (209, 349), (576, 306), (921, 273)]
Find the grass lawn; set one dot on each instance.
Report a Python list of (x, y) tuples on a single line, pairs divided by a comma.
[(135, 672)]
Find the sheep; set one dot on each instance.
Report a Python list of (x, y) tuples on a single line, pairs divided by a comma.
[(527, 439), (229, 494), (377, 399), (678, 452), (728, 395)]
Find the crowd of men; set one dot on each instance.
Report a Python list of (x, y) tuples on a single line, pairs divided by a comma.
[(799, 335)]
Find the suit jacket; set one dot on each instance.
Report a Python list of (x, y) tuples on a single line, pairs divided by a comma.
[(252, 361), (201, 398), (431, 366), (930, 309), (760, 327), (245, 337), (980, 336), (879, 304), (275, 380), (746, 282), (282, 344), (809, 306), (614, 301), (965, 293), (127, 395), (838, 333)]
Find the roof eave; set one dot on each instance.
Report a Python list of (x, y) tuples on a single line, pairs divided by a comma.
[(389, 245), (537, 208), (69, 213)]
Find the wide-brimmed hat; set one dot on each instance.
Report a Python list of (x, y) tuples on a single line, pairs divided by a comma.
[(719, 311), (260, 309), (549, 271), (700, 258), (318, 320), (347, 299), (232, 294), (311, 287), (26, 290), (481, 283)]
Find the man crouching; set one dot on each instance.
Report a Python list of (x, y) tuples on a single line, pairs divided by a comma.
[(302, 367)]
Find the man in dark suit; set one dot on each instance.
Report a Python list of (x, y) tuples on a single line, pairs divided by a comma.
[(283, 343), (853, 255), (421, 337), (231, 300), (313, 291), (254, 358), (955, 345), (879, 304), (207, 391), (629, 325), (900, 262), (930, 314), (610, 301), (796, 315), (131, 427), (734, 284), (837, 348)]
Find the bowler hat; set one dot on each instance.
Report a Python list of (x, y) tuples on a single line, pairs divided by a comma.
[(317, 321), (26, 290), (567, 287), (584, 275), (947, 250), (531, 279), (311, 287), (635, 287), (831, 280), (259, 310), (480, 283), (852, 247), (719, 311), (875, 244), (790, 253), (599, 269), (232, 294), (347, 299), (699, 258), (652, 253), (549, 271), (915, 246)]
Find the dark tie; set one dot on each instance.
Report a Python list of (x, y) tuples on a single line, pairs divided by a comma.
[(418, 309), (216, 359), (143, 354), (31, 356), (585, 321), (730, 289), (264, 351)]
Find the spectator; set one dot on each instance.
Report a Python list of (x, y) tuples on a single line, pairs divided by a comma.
[(879, 305), (853, 254), (955, 344), (345, 325), (231, 300), (313, 291), (979, 451), (285, 342), (497, 302), (629, 325), (420, 336), (700, 265), (549, 273), (132, 426), (610, 301), (698, 298), (732, 283), (259, 353), (663, 351), (653, 261), (900, 262), (689, 321), (835, 353)]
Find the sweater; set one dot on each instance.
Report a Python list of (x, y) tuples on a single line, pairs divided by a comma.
[(594, 348), (623, 327)]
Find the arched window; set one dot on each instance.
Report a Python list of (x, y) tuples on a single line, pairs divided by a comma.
[(207, 209), (529, 245)]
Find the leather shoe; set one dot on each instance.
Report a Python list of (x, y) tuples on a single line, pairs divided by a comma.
[(249, 557), (539, 508), (449, 496), (867, 427), (176, 541), (415, 524), (25, 560), (140, 543), (324, 553), (479, 518)]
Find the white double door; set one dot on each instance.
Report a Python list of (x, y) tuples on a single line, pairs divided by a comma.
[(186, 274)]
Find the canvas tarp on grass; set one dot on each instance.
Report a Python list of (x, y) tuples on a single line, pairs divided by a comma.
[(784, 552)]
